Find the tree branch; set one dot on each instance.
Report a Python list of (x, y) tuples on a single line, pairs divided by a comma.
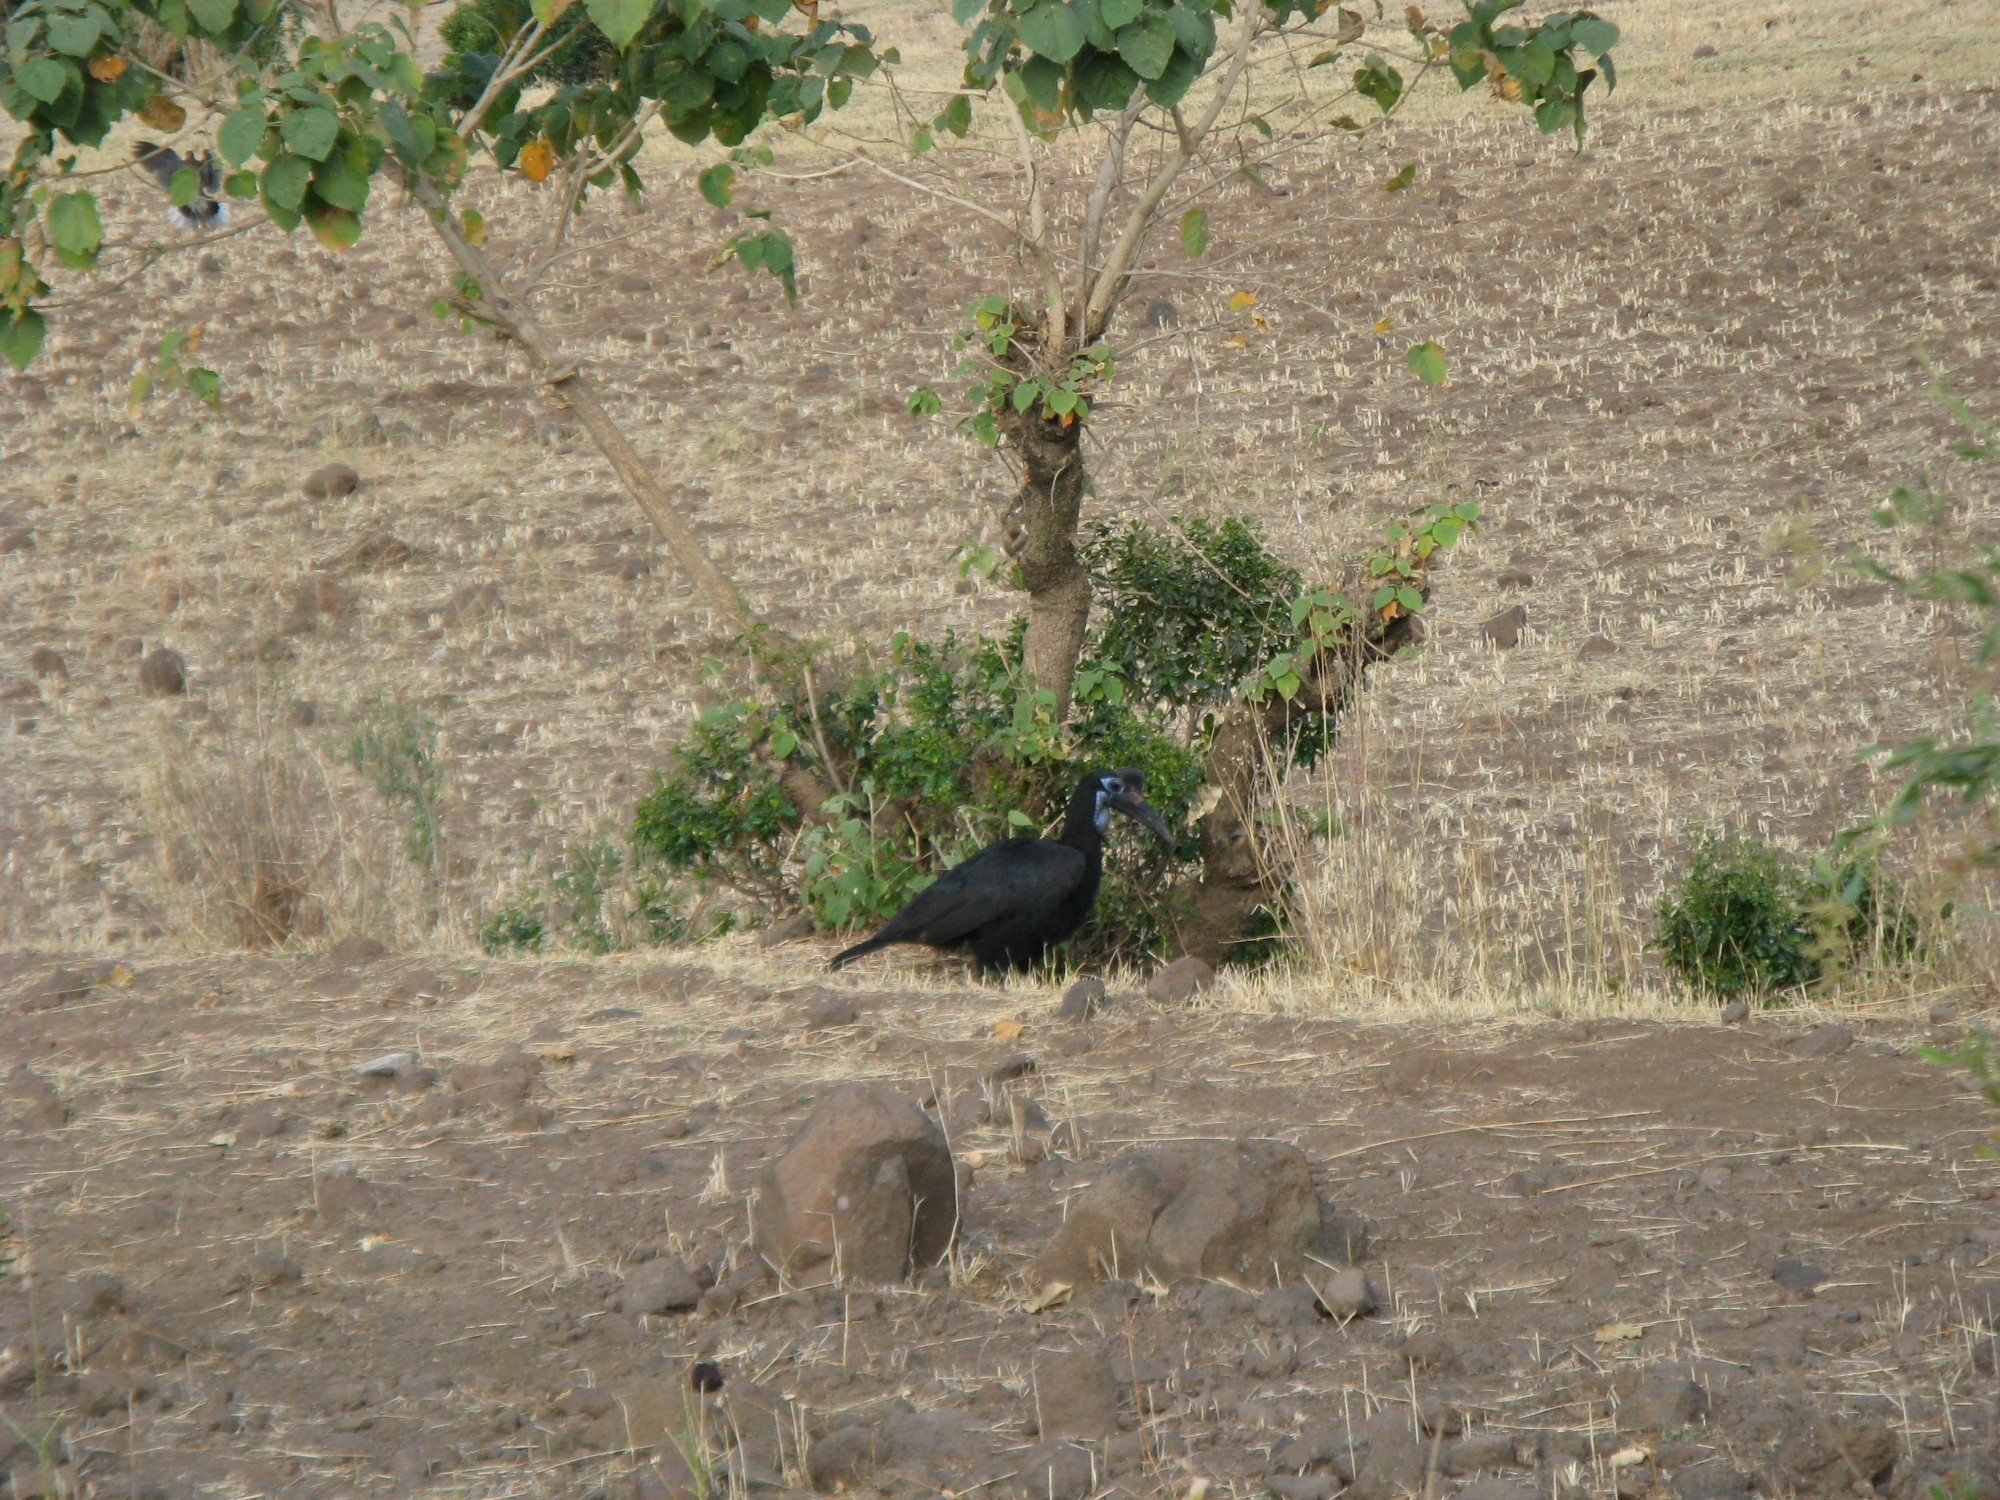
[(1110, 174)]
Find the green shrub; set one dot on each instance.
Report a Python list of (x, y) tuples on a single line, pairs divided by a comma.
[(483, 28), (597, 899), (395, 747), (1747, 920)]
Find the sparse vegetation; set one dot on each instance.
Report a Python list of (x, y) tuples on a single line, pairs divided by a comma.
[(394, 748)]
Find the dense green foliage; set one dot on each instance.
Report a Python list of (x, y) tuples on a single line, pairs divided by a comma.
[(577, 51), (1747, 920)]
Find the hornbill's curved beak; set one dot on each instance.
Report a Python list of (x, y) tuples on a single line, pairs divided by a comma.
[(1136, 807)]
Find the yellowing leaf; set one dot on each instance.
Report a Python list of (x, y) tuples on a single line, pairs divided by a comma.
[(120, 978), (1258, 320), (1052, 1295), (1238, 342), (538, 159), (1385, 325), (162, 113), (1006, 1028), (1619, 1333), (106, 69), (1242, 300)]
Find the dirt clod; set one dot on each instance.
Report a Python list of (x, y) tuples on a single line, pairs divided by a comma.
[(659, 1286), (1076, 1395), (1348, 1294), (1180, 981), (162, 673), (45, 661), (1082, 1000), (331, 482), (1504, 629), (1797, 1276)]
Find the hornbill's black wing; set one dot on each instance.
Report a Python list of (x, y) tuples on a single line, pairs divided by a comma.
[(1011, 878), (160, 162)]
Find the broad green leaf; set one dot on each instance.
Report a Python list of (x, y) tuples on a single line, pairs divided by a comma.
[(717, 183), (1194, 233), (21, 336), (964, 10), (619, 20), (1409, 598), (1538, 61), (334, 227), (310, 132), (1053, 29), (284, 183), (75, 229), (342, 179), (185, 184), (240, 133), (1195, 27), (1025, 395), (1594, 35), (240, 184), (75, 35), (957, 116), (1042, 81), (1117, 13), (43, 77), (920, 141), (1172, 85), (212, 15), (1104, 82), (1426, 362), (1377, 80), (206, 386), (1406, 175), (1062, 402), (1147, 44)]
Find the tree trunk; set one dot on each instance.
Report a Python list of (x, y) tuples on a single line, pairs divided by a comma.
[(569, 386), (1048, 505), (1237, 875)]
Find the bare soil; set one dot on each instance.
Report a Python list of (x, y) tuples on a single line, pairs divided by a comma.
[(251, 1271)]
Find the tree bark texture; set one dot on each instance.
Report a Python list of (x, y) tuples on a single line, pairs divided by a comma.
[(1047, 507), (1238, 876)]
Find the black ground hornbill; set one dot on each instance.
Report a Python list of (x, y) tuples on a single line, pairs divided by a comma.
[(1008, 903)]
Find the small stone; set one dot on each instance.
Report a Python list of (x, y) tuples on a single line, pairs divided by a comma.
[(1161, 313), (351, 952), (1082, 1000), (1943, 1014), (1180, 981), (1302, 1486), (1503, 631), (1735, 1013), (1797, 1276), (1349, 1294), (21, 540), (1055, 1471), (163, 673), (844, 1459), (42, 1107), (1596, 648), (330, 483), (44, 661), (1705, 51), (1829, 1040), (1517, 579), (54, 989), (388, 1065), (659, 1286), (378, 549), (786, 930), (1429, 1350), (829, 1009)]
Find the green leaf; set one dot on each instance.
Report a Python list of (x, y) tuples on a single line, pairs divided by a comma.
[(43, 78), (1409, 598), (1104, 82), (1426, 362), (957, 116), (75, 35), (1117, 13), (1025, 395), (75, 229), (1063, 402), (212, 15), (240, 134), (964, 10), (924, 402), (1594, 35), (717, 184), (206, 386), (1147, 44), (783, 743), (284, 184), (1194, 233), (21, 336), (342, 179), (1053, 29), (240, 184), (310, 132), (1042, 81), (1347, 123), (1172, 85), (1538, 61), (181, 189), (920, 140), (335, 227), (1402, 179), (1378, 81), (619, 20)]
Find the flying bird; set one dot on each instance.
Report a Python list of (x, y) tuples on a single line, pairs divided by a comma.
[(1012, 900), (205, 210)]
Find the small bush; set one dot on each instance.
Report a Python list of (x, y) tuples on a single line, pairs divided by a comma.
[(395, 748), (597, 899), (1747, 920)]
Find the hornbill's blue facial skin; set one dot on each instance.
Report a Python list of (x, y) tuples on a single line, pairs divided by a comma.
[(1012, 901)]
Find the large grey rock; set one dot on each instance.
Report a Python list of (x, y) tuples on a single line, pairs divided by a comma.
[(865, 1190), (1240, 1211)]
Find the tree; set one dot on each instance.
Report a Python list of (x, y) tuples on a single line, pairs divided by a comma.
[(1165, 100), (309, 116)]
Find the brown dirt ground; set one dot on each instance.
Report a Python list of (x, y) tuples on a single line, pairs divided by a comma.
[(453, 1278)]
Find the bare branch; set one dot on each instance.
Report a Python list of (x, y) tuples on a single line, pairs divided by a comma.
[(1110, 176), (1037, 240)]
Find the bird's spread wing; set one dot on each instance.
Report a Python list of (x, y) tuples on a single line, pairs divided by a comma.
[(994, 883), (211, 175), (160, 162)]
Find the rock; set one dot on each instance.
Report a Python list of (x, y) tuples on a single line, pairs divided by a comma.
[(502, 1084), (1518, 578), (866, 1189), (343, 1193), (41, 1107), (1317, 1448), (1797, 1276), (376, 550), (1055, 1470), (331, 482), (1160, 313), (1349, 1294), (45, 662), (1480, 1452), (163, 673), (659, 1286), (1829, 1040), (470, 604), (1735, 1013), (1661, 1401), (1082, 1000), (259, 1123), (1291, 1306), (1393, 1465), (1242, 1211), (58, 987), (1430, 1350), (352, 952), (103, 1293), (1302, 1486), (1180, 981), (843, 1459), (1503, 631), (1492, 1487), (19, 540), (1076, 1395), (786, 930), (829, 1009), (1705, 51), (1596, 648), (388, 1065)]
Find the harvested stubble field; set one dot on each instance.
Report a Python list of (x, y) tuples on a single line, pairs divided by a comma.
[(245, 1269)]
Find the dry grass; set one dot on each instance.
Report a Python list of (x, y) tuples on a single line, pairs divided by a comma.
[(1698, 330)]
